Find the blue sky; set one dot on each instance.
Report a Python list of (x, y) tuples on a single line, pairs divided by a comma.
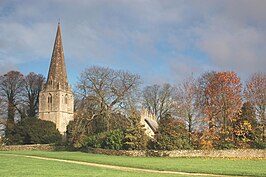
[(161, 40)]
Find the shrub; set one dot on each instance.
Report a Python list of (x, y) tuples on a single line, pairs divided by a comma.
[(114, 140), (82, 126), (107, 140), (32, 131), (225, 145), (95, 141), (258, 144)]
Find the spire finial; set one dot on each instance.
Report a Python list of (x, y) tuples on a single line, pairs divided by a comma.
[(58, 21)]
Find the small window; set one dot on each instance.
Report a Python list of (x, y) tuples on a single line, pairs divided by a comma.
[(50, 102), (50, 98), (66, 99)]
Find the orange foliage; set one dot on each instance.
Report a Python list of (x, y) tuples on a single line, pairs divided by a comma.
[(223, 91)]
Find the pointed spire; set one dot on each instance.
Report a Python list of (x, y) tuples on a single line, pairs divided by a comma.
[(57, 75)]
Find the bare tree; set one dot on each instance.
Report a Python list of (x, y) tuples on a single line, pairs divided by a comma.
[(185, 103), (203, 99), (11, 86), (104, 91), (2, 118), (255, 93), (32, 87), (159, 99)]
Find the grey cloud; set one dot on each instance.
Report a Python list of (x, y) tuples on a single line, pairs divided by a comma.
[(234, 42), (5, 67)]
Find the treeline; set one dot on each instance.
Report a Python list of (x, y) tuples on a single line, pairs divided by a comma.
[(214, 110), (19, 99), (19, 95)]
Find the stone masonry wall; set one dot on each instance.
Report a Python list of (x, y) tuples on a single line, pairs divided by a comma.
[(236, 153), (44, 147)]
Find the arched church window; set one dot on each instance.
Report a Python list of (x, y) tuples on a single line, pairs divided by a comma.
[(66, 99), (50, 100)]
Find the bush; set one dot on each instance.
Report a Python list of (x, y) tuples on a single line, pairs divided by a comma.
[(95, 141), (82, 126), (258, 144), (114, 140), (107, 140), (225, 145), (32, 131)]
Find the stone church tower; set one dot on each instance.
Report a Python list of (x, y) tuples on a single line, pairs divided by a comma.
[(56, 102)]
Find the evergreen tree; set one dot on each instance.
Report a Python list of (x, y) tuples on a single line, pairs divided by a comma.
[(248, 113), (135, 137)]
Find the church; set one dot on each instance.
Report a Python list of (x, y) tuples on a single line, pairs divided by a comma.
[(56, 99)]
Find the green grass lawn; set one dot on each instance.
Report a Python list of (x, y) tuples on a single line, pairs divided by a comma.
[(11, 166), (199, 165)]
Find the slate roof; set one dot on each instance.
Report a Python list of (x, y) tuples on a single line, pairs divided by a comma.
[(152, 124)]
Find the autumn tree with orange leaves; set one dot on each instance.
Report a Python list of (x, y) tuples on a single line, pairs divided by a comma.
[(220, 100)]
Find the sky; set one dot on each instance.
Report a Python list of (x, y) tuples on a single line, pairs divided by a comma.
[(163, 41)]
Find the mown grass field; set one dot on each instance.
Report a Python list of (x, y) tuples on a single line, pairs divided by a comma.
[(11, 166), (22, 166)]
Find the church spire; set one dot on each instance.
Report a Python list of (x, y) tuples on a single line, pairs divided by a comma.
[(57, 76), (56, 100)]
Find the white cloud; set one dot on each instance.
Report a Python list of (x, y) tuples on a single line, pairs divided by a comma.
[(139, 34)]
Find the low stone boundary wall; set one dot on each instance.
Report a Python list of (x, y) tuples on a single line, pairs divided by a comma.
[(116, 152), (233, 153), (236, 153), (45, 147)]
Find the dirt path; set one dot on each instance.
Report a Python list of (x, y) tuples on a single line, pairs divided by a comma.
[(131, 169)]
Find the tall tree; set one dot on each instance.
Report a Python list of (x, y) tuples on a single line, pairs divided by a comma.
[(32, 87), (203, 99), (225, 97), (185, 103), (219, 97), (11, 86), (209, 135), (104, 91), (255, 93), (158, 100)]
